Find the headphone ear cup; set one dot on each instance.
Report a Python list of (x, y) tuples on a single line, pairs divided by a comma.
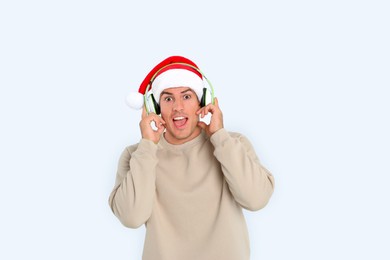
[(155, 105), (204, 98)]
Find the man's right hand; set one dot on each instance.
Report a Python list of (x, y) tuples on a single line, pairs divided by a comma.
[(147, 131)]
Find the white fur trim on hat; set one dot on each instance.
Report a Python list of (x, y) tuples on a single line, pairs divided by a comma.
[(175, 78), (135, 100)]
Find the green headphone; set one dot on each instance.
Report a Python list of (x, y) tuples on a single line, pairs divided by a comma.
[(152, 106)]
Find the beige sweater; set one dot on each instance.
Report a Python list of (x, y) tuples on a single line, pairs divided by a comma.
[(190, 196)]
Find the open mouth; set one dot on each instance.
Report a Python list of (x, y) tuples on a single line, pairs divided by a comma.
[(180, 121)]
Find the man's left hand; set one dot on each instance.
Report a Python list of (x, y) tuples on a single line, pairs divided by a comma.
[(216, 121)]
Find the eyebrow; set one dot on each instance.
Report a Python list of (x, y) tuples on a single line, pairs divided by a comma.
[(169, 93)]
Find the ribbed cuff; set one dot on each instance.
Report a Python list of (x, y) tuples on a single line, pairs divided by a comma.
[(219, 137), (147, 146)]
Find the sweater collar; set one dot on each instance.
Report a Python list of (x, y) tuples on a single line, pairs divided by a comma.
[(199, 139)]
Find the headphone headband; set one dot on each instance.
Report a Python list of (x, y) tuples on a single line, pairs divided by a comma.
[(148, 87)]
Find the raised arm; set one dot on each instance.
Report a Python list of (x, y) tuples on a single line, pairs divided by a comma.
[(250, 183), (133, 195)]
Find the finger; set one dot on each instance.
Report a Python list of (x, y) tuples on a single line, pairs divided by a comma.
[(199, 110), (208, 109), (216, 102), (161, 128), (152, 117), (213, 109), (160, 124), (202, 125), (204, 112), (158, 119)]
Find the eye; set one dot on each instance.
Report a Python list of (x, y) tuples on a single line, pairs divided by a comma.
[(168, 99), (187, 96)]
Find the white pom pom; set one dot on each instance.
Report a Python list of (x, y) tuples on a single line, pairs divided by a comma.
[(135, 100)]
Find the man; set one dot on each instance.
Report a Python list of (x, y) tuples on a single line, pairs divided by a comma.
[(186, 180)]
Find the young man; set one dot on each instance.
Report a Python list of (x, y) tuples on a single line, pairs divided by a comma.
[(186, 180)]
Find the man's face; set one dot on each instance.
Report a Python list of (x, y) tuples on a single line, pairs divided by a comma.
[(178, 109)]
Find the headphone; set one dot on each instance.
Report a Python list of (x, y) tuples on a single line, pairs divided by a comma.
[(152, 105)]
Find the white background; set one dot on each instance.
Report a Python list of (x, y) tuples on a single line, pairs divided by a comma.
[(307, 82)]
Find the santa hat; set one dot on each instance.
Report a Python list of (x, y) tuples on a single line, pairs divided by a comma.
[(173, 72)]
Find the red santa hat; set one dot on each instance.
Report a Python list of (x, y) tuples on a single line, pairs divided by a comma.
[(173, 72)]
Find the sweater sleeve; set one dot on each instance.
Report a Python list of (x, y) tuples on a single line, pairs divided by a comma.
[(132, 197), (250, 183)]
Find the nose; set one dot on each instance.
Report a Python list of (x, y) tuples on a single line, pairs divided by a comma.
[(178, 105)]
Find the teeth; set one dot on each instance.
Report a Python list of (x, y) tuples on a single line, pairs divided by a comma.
[(179, 118)]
